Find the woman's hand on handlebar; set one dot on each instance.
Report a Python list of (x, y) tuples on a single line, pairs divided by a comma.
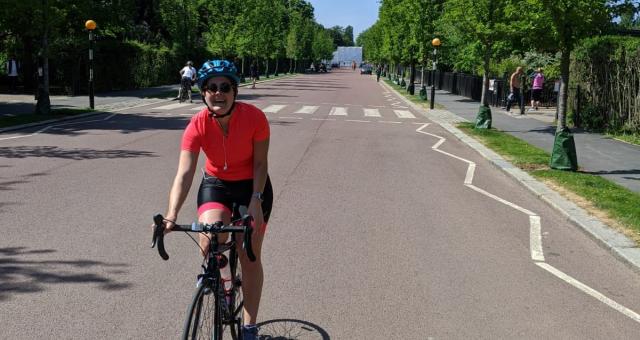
[(255, 210), (169, 223)]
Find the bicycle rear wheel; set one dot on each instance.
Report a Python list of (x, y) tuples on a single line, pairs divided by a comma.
[(204, 318)]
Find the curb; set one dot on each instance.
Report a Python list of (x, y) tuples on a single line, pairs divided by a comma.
[(89, 114), (617, 243)]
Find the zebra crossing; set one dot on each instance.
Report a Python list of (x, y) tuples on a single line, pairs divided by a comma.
[(304, 110)]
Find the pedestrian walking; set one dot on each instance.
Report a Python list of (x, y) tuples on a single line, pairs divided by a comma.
[(536, 89), (253, 69), (515, 87), (12, 71), (378, 72)]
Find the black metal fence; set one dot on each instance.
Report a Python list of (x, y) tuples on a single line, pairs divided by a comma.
[(470, 86)]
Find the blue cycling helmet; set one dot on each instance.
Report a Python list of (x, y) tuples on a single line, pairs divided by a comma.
[(216, 68)]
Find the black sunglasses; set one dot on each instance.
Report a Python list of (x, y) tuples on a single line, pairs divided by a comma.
[(213, 88)]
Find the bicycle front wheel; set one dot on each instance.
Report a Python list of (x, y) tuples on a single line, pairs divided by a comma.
[(236, 310), (204, 317)]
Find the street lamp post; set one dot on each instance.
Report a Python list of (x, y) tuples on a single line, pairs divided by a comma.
[(91, 25), (435, 43)]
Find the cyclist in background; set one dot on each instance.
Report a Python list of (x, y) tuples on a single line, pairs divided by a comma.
[(234, 137), (188, 76)]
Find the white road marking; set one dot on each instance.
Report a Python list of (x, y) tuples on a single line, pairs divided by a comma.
[(307, 109), (404, 114), (372, 113), (590, 291), (273, 108), (338, 111), (170, 106), (197, 108), (33, 134), (323, 119), (535, 235), (535, 239), (357, 121), (388, 122), (291, 117)]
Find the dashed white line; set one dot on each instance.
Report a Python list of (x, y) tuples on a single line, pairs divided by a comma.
[(404, 114), (170, 106), (338, 111), (372, 113), (307, 109), (273, 108), (535, 239)]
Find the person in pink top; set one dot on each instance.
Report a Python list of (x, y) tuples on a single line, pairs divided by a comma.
[(234, 138), (536, 89)]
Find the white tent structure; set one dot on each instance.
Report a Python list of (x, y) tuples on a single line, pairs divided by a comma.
[(345, 55)]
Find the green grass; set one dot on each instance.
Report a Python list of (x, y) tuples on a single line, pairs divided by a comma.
[(620, 204), (415, 98), (629, 138), (6, 121)]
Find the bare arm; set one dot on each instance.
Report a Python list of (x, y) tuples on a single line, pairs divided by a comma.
[(181, 184), (260, 170), (512, 80)]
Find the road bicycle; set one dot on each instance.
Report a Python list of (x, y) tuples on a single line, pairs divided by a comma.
[(213, 308)]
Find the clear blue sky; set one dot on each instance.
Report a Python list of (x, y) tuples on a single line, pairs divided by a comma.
[(360, 14)]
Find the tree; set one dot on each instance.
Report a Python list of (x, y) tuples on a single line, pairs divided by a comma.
[(338, 35), (348, 36), (485, 22), (571, 20)]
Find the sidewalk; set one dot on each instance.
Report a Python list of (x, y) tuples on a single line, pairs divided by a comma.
[(16, 104), (597, 154)]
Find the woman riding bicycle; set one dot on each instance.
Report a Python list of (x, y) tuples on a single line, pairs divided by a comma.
[(234, 137)]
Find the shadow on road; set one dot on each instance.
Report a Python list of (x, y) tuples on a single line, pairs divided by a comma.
[(615, 172), (18, 275), (290, 329), (75, 154)]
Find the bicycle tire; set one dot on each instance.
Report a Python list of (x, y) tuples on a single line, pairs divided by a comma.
[(237, 313), (200, 323)]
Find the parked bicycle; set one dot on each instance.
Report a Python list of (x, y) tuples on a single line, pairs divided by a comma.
[(213, 308)]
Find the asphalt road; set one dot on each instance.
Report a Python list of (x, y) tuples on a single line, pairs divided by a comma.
[(375, 233)]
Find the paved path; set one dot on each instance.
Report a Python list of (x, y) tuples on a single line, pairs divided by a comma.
[(597, 153)]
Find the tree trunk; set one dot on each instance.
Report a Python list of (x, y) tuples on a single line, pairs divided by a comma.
[(485, 77), (266, 67), (564, 84)]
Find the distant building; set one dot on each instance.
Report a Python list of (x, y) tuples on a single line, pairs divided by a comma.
[(345, 55)]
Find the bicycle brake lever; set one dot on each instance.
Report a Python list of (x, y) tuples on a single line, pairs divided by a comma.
[(158, 236), (246, 243)]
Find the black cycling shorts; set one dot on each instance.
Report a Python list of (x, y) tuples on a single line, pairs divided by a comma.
[(215, 193)]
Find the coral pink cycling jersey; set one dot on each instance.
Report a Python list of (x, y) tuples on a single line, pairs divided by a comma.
[(229, 157)]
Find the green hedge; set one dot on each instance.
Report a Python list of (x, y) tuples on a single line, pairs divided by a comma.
[(126, 65), (607, 69)]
